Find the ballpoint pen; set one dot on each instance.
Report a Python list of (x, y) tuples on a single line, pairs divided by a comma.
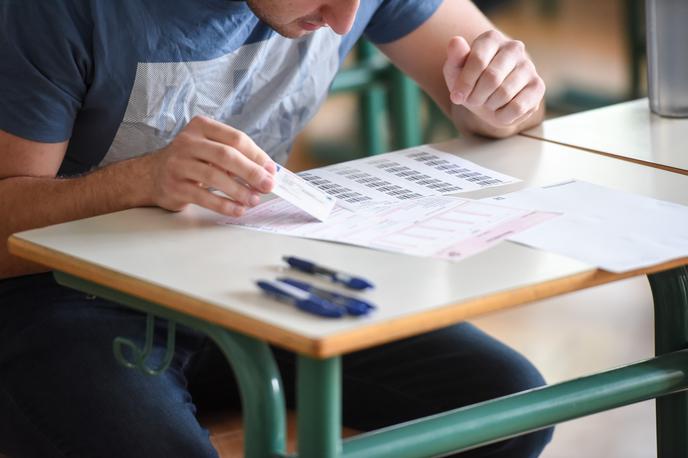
[(301, 299), (310, 267), (352, 305)]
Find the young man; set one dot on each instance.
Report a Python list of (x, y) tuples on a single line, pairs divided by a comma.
[(112, 105)]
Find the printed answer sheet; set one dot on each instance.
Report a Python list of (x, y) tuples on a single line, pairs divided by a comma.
[(443, 227), (603, 227), (402, 175)]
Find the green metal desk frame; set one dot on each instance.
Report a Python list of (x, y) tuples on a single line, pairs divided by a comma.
[(319, 390)]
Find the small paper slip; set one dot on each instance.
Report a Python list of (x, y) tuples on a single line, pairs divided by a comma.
[(606, 228), (300, 193)]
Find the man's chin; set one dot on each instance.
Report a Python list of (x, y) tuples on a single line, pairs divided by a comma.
[(291, 31)]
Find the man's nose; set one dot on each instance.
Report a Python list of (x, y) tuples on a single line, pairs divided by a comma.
[(340, 14)]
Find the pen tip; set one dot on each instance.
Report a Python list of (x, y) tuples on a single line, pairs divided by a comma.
[(359, 283)]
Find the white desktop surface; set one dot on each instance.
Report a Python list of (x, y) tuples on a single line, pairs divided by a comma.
[(185, 261), (628, 130)]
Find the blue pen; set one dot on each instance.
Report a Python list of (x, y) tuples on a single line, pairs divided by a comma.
[(299, 298), (352, 305), (338, 277)]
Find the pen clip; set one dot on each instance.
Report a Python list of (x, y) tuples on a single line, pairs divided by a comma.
[(353, 305), (310, 267)]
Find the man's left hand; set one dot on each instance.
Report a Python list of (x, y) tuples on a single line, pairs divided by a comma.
[(493, 78)]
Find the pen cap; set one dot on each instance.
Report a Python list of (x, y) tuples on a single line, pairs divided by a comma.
[(358, 283), (300, 298)]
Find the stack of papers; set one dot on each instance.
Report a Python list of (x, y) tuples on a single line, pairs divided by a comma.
[(396, 202), (393, 202), (438, 226), (606, 228)]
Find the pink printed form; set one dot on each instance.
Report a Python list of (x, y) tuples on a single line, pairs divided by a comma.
[(491, 237), (443, 227)]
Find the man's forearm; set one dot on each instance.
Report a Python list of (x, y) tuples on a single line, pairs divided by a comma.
[(31, 202)]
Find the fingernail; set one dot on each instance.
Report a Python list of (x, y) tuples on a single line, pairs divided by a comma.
[(253, 200), (266, 184), (238, 211), (457, 97), (270, 167)]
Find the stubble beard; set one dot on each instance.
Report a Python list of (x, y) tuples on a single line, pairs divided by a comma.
[(289, 30)]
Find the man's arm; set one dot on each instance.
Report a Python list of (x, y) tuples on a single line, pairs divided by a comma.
[(206, 154), (33, 197), (484, 81)]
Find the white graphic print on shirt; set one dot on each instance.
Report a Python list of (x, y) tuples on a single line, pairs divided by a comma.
[(269, 89)]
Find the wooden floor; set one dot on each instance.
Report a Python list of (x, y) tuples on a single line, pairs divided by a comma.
[(226, 433)]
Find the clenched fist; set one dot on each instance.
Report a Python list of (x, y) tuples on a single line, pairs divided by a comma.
[(494, 78)]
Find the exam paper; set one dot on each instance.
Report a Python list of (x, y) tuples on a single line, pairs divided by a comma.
[(610, 229), (300, 193), (402, 175), (443, 227)]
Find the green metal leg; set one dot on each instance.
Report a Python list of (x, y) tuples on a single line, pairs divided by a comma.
[(373, 107), (670, 292), (489, 421), (319, 404), (260, 386), (373, 114), (405, 113), (252, 361)]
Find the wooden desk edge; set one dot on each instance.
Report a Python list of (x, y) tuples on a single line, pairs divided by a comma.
[(337, 344), (621, 157)]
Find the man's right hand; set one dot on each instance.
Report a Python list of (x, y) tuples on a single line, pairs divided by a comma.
[(204, 154), (209, 154)]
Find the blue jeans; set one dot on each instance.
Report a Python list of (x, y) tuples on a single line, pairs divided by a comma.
[(62, 394)]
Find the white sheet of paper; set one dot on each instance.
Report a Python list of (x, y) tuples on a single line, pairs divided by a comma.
[(603, 227), (297, 191), (402, 175), (438, 226)]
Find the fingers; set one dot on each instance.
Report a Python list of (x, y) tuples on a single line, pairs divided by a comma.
[(482, 51), (522, 105), (512, 85), (494, 75), (210, 176), (234, 162), (209, 154), (226, 135), (497, 82), (457, 52), (195, 194)]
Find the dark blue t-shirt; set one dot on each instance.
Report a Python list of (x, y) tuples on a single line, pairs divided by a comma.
[(120, 78)]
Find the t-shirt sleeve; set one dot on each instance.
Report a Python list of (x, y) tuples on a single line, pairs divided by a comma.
[(396, 18), (44, 65)]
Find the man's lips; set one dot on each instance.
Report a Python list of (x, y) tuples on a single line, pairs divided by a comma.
[(310, 25)]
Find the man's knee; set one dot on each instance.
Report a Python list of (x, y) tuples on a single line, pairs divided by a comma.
[(496, 366)]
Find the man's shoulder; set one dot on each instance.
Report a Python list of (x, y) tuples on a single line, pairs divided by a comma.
[(39, 18)]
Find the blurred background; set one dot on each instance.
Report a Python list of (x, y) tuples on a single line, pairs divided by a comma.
[(590, 54)]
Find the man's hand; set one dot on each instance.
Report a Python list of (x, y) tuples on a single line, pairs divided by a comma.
[(209, 154), (493, 78)]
